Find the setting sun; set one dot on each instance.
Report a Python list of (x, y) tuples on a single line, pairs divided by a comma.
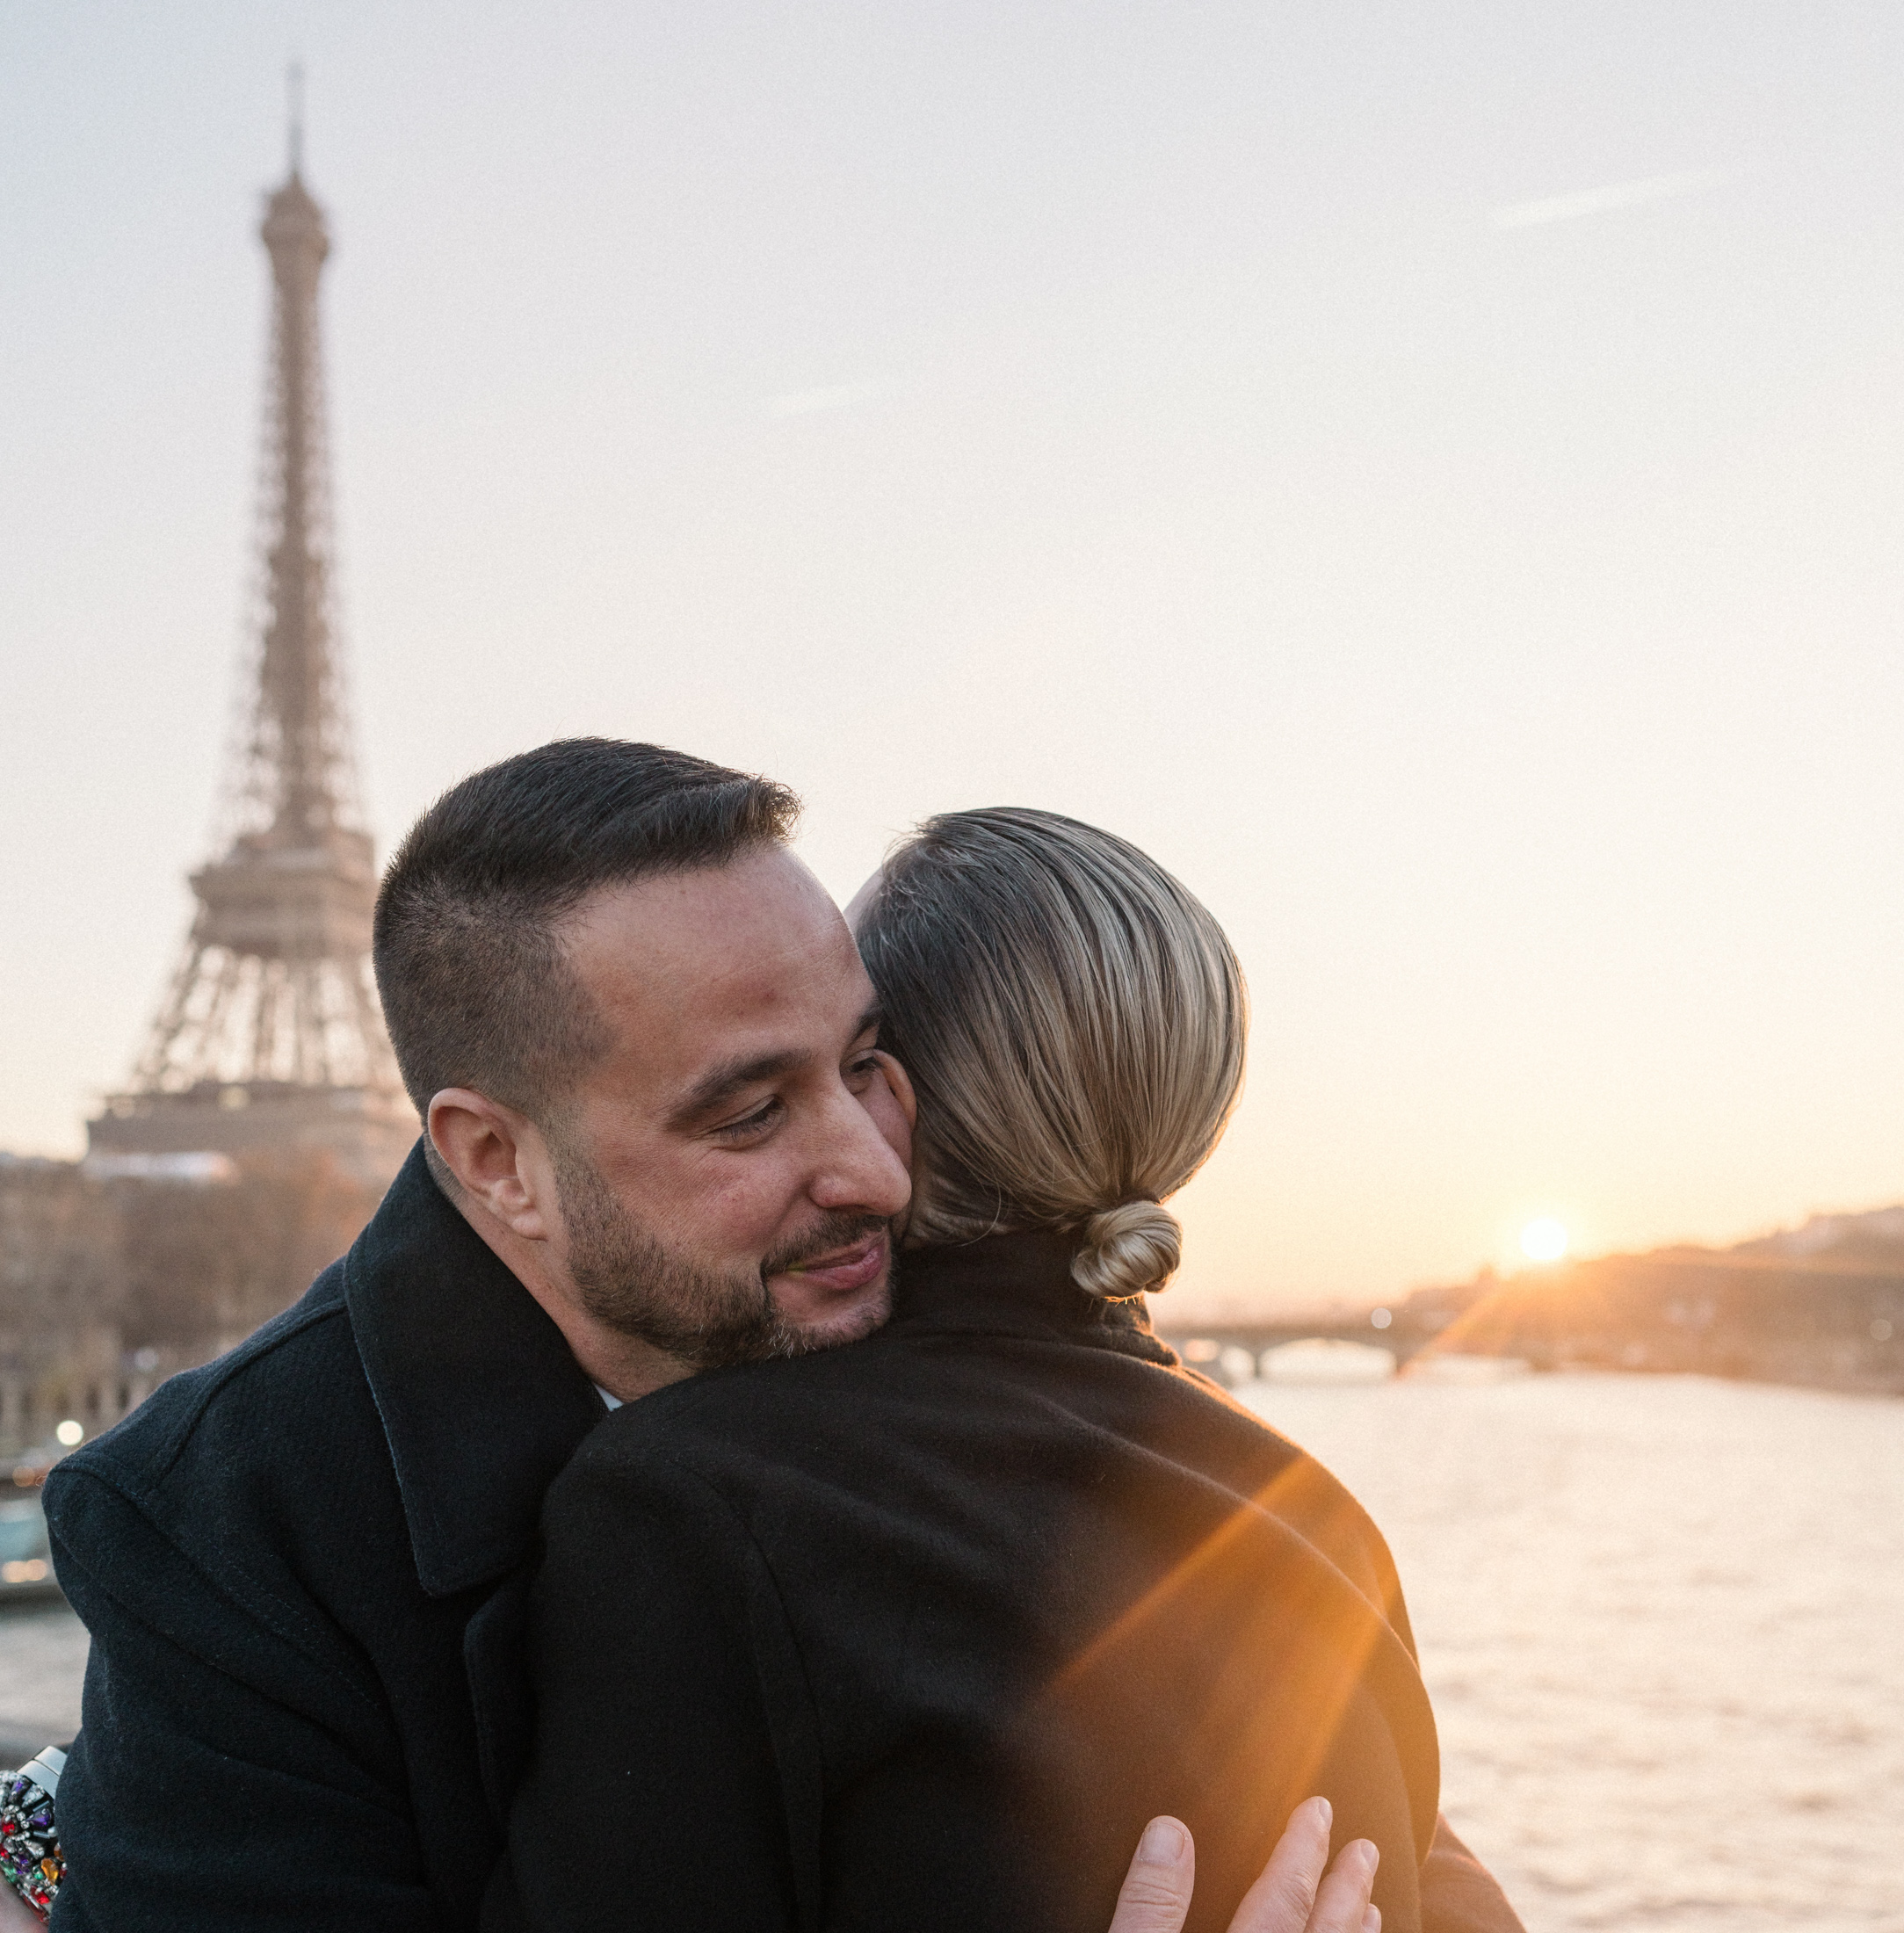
[(1544, 1240)]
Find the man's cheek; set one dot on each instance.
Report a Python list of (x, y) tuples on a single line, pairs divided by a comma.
[(743, 1215)]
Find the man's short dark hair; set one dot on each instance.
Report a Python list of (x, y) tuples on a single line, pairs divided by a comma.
[(477, 989)]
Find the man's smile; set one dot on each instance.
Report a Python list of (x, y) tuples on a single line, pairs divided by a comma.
[(842, 1271)]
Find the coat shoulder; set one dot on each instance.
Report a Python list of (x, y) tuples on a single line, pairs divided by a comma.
[(209, 1429), (853, 1419), (248, 1512)]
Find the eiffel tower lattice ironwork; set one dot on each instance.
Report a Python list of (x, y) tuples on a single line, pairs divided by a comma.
[(270, 1040)]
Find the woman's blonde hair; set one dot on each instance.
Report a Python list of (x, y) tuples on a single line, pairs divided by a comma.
[(1073, 1022)]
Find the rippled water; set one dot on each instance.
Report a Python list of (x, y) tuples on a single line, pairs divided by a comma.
[(1662, 1620)]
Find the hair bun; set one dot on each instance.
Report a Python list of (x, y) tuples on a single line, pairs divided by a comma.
[(1129, 1249)]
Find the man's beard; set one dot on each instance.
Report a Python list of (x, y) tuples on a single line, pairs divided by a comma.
[(628, 1278)]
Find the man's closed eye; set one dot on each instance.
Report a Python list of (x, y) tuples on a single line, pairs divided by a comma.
[(752, 1126)]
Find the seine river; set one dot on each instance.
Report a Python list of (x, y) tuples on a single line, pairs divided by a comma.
[(1662, 1620)]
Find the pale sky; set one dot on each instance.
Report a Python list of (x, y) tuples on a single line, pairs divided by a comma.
[(1433, 475)]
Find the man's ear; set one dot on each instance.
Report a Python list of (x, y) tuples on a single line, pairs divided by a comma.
[(497, 1156)]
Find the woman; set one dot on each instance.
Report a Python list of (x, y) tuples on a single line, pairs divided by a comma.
[(918, 1633)]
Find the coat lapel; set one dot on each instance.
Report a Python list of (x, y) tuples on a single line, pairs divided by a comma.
[(481, 1402)]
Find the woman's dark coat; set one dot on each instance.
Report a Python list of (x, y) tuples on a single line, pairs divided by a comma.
[(917, 1633)]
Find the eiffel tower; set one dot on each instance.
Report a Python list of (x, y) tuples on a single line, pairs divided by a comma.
[(269, 1041)]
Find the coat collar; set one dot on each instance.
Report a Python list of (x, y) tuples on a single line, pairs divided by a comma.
[(481, 1402), (1019, 1284)]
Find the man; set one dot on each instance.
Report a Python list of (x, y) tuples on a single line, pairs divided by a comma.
[(661, 1136)]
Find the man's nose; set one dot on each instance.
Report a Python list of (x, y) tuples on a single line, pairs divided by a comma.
[(859, 1168)]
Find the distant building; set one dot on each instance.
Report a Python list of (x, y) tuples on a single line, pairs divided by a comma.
[(111, 1281)]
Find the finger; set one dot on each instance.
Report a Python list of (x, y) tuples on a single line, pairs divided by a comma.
[(1279, 1901), (1372, 1920), (1156, 1894), (1341, 1901)]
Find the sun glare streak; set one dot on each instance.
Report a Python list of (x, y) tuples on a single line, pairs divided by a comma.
[(1277, 1638), (1301, 1496)]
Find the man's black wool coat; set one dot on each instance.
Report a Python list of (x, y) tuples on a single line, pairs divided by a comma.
[(304, 1568)]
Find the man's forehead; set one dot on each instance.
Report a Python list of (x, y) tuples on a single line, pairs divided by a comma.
[(745, 949), (765, 898)]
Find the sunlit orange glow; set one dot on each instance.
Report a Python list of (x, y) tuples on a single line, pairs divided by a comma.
[(1260, 1662)]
